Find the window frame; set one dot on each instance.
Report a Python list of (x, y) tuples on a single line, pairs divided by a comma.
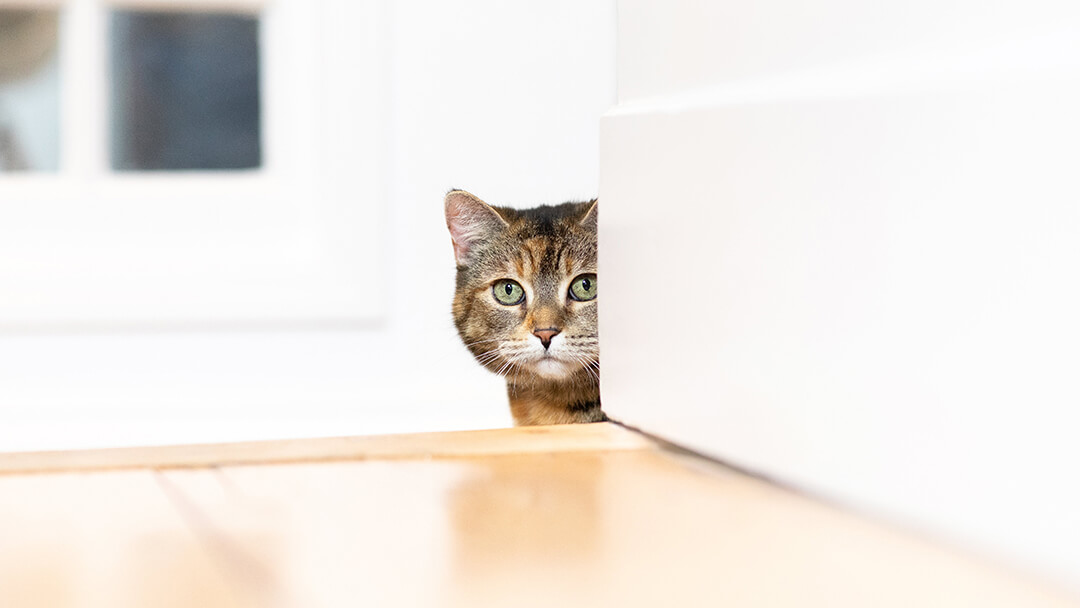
[(292, 241)]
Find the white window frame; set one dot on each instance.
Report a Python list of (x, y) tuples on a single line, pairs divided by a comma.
[(293, 241)]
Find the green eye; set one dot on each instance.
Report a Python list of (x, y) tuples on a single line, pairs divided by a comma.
[(583, 288), (508, 292)]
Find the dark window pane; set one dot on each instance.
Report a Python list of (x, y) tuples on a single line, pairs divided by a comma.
[(29, 90), (185, 91)]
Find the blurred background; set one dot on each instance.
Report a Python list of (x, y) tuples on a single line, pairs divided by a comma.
[(223, 220), (839, 239)]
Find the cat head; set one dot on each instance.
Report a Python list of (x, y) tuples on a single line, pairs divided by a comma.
[(525, 303)]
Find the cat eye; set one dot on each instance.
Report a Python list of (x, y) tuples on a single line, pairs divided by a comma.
[(508, 292), (583, 288)]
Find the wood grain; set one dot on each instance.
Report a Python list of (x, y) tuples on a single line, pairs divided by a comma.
[(458, 444), (562, 516)]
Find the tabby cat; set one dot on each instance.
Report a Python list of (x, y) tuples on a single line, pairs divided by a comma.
[(525, 303)]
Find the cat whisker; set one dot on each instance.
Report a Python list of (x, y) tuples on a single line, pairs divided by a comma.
[(483, 341), (506, 367), (490, 353), (488, 357), (487, 360), (587, 365), (508, 370)]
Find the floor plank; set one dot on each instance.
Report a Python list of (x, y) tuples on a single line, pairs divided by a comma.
[(455, 444), (574, 516)]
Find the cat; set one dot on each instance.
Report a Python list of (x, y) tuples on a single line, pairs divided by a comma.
[(525, 303)]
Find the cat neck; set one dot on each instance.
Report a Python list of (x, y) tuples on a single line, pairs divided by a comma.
[(536, 401)]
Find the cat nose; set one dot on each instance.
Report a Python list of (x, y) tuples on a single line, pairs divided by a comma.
[(546, 335)]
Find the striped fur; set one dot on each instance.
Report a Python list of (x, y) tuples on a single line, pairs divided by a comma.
[(543, 249)]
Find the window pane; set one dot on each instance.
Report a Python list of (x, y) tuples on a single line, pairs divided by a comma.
[(29, 90), (185, 91)]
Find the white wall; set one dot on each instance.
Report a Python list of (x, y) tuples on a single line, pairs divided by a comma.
[(499, 98), (841, 249)]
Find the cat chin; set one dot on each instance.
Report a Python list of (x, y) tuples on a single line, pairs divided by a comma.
[(552, 369)]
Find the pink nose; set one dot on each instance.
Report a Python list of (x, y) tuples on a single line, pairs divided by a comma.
[(546, 335)]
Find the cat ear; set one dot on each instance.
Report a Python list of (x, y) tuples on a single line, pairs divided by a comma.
[(589, 219), (470, 221)]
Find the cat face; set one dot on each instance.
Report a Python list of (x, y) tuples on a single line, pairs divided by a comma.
[(525, 303)]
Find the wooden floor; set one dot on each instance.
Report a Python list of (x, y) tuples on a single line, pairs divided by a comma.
[(590, 515)]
